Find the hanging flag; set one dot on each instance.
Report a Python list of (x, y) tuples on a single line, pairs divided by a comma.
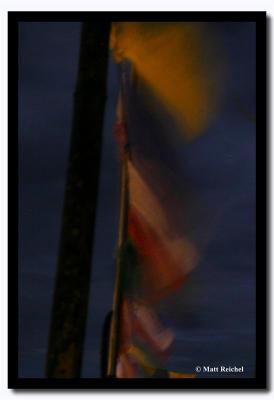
[(154, 261), (181, 65), (161, 242), (167, 258)]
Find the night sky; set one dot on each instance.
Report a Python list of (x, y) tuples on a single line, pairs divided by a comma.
[(215, 311)]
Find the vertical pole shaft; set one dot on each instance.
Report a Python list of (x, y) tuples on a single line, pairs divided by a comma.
[(69, 311), (115, 321), (122, 231)]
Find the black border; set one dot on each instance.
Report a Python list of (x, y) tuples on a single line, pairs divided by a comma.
[(260, 381)]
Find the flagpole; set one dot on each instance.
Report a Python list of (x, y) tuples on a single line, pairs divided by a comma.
[(122, 225), (70, 303), (125, 74)]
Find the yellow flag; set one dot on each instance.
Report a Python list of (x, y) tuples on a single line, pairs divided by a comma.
[(180, 64)]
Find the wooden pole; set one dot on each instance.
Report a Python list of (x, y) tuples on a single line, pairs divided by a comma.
[(115, 320), (69, 311)]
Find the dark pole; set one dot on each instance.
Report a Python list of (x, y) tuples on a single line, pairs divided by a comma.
[(70, 302), (120, 260)]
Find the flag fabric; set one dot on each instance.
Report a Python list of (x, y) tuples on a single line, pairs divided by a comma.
[(155, 264), (181, 65)]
